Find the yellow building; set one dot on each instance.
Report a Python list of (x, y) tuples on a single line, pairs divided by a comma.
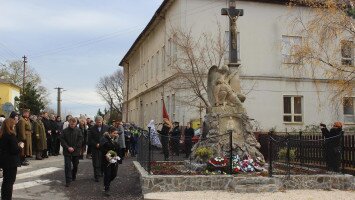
[(8, 92)]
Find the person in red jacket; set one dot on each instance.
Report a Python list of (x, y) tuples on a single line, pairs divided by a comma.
[(332, 145)]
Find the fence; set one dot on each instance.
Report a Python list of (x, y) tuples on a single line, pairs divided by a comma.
[(296, 151), (287, 153), (150, 157), (143, 149)]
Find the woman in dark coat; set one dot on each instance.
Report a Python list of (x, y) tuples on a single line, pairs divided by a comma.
[(10, 150), (189, 134), (165, 137), (59, 122), (84, 132), (54, 134), (332, 146), (108, 143)]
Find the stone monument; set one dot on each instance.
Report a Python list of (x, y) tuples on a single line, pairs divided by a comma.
[(227, 113)]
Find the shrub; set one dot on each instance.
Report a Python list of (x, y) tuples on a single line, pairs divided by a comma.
[(283, 152), (204, 153)]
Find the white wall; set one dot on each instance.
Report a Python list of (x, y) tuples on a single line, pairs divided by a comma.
[(14, 93), (264, 77)]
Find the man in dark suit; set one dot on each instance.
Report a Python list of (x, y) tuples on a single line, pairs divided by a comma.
[(71, 140), (176, 133), (189, 134), (95, 134)]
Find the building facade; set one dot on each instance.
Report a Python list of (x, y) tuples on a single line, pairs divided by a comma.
[(8, 92), (275, 97)]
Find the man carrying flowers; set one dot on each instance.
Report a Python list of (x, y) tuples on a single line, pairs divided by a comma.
[(109, 148)]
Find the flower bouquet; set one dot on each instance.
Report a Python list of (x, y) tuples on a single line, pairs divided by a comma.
[(217, 163), (112, 157)]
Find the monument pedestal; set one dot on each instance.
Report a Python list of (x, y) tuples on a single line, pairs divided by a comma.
[(219, 122)]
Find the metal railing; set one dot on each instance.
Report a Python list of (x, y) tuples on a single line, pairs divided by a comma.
[(178, 151), (306, 152)]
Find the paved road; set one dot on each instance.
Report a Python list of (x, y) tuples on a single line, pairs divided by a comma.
[(45, 180)]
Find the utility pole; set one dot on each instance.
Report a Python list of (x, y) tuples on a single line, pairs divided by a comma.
[(24, 74), (59, 100), (111, 106)]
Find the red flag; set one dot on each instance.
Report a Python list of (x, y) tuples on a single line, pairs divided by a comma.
[(165, 113)]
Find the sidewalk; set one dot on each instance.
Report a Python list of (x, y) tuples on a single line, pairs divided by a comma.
[(222, 195)]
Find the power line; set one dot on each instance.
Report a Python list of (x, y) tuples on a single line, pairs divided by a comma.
[(81, 103), (8, 50), (113, 34), (85, 42)]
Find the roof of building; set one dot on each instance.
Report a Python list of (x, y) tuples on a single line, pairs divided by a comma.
[(4, 81), (8, 82), (160, 13)]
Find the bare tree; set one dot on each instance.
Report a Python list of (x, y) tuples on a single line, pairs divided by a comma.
[(110, 89), (196, 56), (13, 72), (327, 46)]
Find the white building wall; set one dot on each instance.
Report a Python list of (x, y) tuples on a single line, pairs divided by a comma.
[(14, 93), (264, 77)]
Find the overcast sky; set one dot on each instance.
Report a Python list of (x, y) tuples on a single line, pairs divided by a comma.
[(71, 44)]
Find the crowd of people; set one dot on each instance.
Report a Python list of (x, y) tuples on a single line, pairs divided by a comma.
[(170, 135), (40, 136)]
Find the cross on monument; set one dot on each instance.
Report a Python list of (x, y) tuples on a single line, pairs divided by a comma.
[(233, 15)]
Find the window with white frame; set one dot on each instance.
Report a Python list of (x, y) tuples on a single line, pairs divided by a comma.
[(348, 105), (293, 111), (290, 46), (141, 72), (172, 51), (157, 64), (136, 79), (146, 71), (163, 53), (167, 104), (347, 52), (152, 65), (227, 41), (173, 106)]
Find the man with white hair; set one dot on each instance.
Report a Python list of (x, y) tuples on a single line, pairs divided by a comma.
[(120, 140), (95, 134)]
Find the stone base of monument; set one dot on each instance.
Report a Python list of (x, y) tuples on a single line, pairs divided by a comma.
[(241, 184), (220, 122), (194, 166)]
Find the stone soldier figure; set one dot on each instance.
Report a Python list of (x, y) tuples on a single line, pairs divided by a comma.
[(25, 134)]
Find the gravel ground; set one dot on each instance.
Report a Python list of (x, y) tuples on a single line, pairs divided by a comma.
[(289, 195)]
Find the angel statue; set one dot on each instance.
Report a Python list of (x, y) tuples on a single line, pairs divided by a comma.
[(220, 91)]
